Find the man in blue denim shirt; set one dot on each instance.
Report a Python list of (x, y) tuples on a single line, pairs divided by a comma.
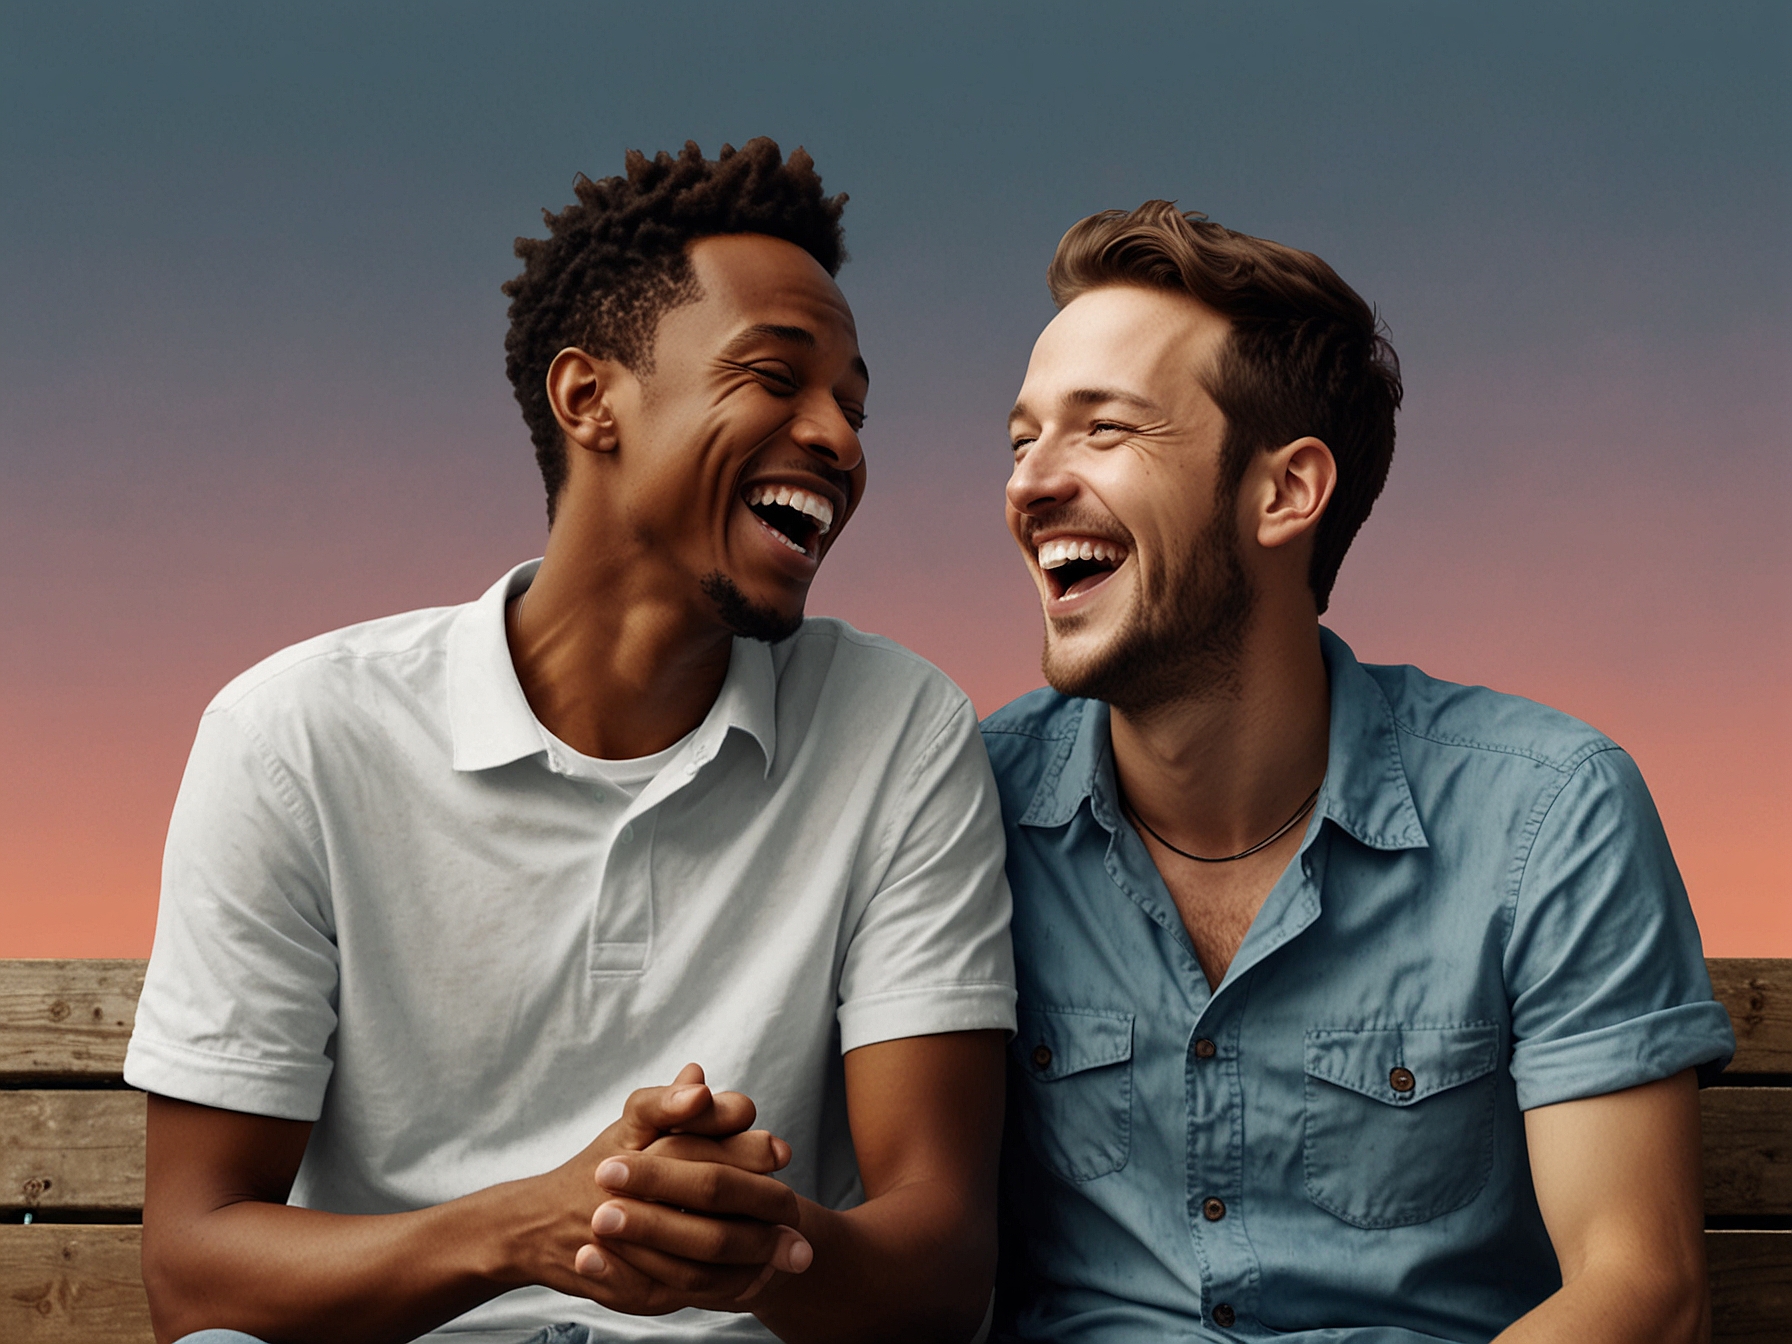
[(1354, 1005)]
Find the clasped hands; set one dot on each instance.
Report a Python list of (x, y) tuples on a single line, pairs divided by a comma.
[(690, 1213)]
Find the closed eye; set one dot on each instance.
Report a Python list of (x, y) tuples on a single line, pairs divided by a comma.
[(777, 375)]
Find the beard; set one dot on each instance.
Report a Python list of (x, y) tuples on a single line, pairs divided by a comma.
[(745, 617), (1182, 640)]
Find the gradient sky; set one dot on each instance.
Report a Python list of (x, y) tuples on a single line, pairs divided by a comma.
[(251, 372)]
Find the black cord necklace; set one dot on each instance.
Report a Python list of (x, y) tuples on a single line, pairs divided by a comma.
[(1281, 830)]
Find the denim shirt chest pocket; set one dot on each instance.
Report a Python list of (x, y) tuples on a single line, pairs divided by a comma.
[(1399, 1120), (1075, 1089)]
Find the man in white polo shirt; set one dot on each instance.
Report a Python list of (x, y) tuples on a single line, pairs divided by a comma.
[(470, 915)]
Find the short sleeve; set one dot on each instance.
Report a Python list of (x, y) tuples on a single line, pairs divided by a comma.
[(239, 1003), (931, 952), (1604, 967)]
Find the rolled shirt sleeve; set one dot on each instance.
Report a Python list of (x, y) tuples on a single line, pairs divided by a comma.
[(1604, 966), (931, 952), (239, 1003)]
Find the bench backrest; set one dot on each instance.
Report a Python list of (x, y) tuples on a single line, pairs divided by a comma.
[(71, 1156)]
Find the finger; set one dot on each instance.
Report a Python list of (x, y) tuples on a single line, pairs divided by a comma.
[(756, 1150), (700, 1238), (621, 1286), (681, 1279), (727, 1113), (652, 1111), (703, 1187)]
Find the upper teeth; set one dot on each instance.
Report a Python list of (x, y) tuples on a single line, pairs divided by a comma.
[(1062, 550), (810, 505)]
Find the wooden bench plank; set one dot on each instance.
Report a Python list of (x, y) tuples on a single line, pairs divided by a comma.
[(75, 1284), (71, 1150), (72, 1284), (1748, 1150), (66, 1020), (1757, 991), (1751, 1287)]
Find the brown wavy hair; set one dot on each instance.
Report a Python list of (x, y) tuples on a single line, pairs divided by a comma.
[(617, 259), (1306, 355)]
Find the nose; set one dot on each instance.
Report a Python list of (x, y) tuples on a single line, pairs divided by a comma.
[(1041, 480), (825, 431)]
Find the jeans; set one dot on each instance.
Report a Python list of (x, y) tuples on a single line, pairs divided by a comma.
[(553, 1334)]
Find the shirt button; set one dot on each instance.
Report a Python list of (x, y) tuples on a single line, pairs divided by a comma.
[(1401, 1080), (1204, 1049), (1042, 1057), (628, 833), (1224, 1316), (1213, 1209)]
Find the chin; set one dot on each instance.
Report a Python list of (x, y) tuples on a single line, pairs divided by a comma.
[(747, 618)]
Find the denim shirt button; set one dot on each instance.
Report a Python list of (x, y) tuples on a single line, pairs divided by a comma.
[(1401, 1080), (1042, 1057), (1224, 1316), (1205, 1049), (1213, 1209)]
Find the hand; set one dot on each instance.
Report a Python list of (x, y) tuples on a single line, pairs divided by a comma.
[(689, 1225), (671, 1140)]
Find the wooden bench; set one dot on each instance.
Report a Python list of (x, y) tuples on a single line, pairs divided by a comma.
[(71, 1156)]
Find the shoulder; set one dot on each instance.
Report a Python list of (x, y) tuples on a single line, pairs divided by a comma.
[(331, 673), (829, 658), (1029, 737), (1040, 716), (1444, 718)]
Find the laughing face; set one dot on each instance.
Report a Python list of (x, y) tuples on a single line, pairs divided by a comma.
[(1120, 505), (738, 451)]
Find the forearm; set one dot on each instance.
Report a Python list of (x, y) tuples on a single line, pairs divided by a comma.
[(1622, 1303), (292, 1275), (914, 1264)]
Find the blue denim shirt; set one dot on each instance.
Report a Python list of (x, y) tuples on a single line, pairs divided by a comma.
[(1483, 917)]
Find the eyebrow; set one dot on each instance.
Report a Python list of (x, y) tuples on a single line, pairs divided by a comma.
[(1097, 396), (794, 335)]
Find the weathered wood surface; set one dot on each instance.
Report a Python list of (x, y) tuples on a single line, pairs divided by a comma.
[(1757, 991), (77, 1284), (82, 1149), (72, 1284), (66, 1020), (79, 1150), (1751, 1287), (1748, 1150)]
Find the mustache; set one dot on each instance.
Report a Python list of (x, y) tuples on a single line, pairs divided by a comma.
[(840, 480), (1085, 521)]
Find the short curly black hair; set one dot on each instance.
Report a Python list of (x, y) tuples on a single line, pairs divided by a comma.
[(617, 259)]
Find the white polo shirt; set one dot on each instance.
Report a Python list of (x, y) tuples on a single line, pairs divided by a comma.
[(393, 905)]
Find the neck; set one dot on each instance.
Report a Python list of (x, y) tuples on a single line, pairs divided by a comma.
[(1215, 775), (612, 662)]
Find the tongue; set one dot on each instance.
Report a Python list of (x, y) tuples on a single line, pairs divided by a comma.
[(1089, 581)]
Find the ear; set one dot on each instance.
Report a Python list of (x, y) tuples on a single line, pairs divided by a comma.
[(584, 390), (1298, 481)]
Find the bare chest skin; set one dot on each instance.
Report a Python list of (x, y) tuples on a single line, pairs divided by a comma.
[(1218, 901)]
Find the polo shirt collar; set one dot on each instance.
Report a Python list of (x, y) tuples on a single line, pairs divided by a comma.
[(489, 719), (1365, 790)]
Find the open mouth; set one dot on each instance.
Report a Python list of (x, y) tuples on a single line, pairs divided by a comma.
[(1074, 565), (794, 516)]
